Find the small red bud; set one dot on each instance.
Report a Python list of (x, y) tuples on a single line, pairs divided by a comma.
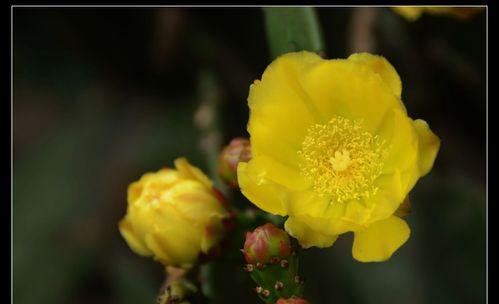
[(238, 150), (258, 289), (278, 285), (265, 244)]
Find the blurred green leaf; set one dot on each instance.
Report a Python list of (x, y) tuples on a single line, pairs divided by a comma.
[(291, 29)]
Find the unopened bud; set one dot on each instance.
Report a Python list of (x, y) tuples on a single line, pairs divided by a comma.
[(278, 285), (238, 150), (265, 243)]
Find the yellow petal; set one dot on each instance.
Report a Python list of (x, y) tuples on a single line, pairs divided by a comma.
[(349, 89), (278, 99), (306, 236), (325, 216), (429, 145), (173, 247), (328, 226), (381, 67), (380, 240), (265, 194), (135, 243), (266, 142), (410, 13), (189, 171), (213, 232), (401, 142), (275, 171), (135, 189)]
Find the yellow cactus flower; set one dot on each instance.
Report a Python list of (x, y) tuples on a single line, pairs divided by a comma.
[(174, 215), (412, 13), (334, 150)]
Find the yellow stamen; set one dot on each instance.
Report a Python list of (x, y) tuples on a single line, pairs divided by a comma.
[(342, 160)]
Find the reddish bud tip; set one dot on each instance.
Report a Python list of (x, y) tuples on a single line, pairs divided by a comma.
[(238, 150), (266, 244)]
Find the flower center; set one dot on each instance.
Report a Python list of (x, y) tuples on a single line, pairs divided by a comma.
[(341, 159)]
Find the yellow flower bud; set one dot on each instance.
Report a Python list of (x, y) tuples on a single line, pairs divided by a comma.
[(174, 215)]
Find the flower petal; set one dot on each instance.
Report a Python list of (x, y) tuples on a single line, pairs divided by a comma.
[(195, 203), (383, 68), (170, 250), (306, 236), (279, 101), (380, 240), (349, 89), (429, 145), (279, 173), (390, 195), (265, 194), (135, 243), (266, 142), (191, 172), (401, 142)]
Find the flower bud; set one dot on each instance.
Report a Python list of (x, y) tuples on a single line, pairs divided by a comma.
[(265, 243), (292, 300), (174, 215), (238, 150)]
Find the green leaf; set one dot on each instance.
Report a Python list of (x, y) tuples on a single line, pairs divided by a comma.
[(291, 29)]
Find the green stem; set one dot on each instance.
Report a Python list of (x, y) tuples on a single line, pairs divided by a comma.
[(291, 29)]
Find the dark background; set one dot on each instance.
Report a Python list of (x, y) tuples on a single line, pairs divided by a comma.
[(102, 95)]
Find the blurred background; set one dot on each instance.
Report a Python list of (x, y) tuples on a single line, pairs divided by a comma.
[(102, 95)]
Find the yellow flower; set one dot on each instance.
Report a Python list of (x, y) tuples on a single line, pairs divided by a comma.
[(334, 149), (173, 215), (412, 13)]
